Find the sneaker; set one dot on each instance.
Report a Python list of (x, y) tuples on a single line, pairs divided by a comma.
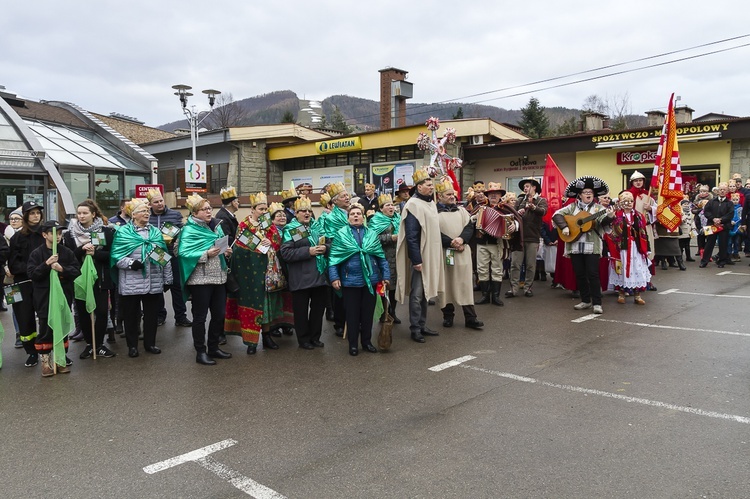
[(32, 360), (68, 362), (105, 352), (583, 305), (19, 343), (183, 323), (86, 352), (161, 322), (598, 309)]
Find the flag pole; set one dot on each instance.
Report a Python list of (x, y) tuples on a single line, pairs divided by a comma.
[(93, 335), (54, 252)]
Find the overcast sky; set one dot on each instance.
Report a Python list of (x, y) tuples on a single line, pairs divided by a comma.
[(123, 57)]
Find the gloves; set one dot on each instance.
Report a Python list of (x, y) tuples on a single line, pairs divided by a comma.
[(136, 265), (566, 231)]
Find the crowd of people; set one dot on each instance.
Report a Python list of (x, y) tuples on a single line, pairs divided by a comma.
[(281, 270)]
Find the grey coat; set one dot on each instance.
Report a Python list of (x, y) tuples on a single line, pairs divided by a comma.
[(133, 282), (302, 267)]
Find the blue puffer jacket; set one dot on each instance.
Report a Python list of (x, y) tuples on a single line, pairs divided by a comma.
[(350, 271)]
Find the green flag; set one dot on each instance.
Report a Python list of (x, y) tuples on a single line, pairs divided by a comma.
[(59, 314), (84, 283)]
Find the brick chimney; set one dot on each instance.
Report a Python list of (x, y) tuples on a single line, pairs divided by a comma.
[(394, 90), (593, 121)]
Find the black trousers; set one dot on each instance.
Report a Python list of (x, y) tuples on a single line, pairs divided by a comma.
[(723, 238), (449, 311), (178, 302), (359, 305), (45, 340), (309, 306), (207, 297), (131, 307), (26, 317), (586, 269), (100, 316), (339, 314)]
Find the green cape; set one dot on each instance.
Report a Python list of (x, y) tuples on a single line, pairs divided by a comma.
[(380, 222), (128, 240), (344, 246), (313, 235), (335, 221), (194, 239)]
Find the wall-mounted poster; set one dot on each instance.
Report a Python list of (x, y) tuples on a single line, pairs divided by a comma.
[(388, 177)]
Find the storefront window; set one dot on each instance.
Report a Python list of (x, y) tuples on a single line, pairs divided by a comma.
[(14, 191), (218, 175), (131, 181), (108, 189), (78, 184)]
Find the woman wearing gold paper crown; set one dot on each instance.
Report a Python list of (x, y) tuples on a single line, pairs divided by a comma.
[(256, 308), (385, 224), (276, 232), (202, 250)]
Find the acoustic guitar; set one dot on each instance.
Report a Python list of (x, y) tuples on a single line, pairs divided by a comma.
[(578, 224)]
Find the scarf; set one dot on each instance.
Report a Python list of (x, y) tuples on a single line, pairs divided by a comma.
[(195, 238), (314, 231), (344, 246), (82, 235), (380, 223), (128, 240)]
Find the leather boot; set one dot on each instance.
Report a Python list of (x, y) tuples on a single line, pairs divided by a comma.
[(45, 361), (484, 286), (268, 342), (680, 263), (541, 270), (496, 293)]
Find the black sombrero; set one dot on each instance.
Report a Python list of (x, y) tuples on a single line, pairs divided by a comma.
[(596, 184)]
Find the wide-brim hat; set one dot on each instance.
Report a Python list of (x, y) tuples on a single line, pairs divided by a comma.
[(31, 205), (596, 184), (403, 187), (531, 180), (494, 187)]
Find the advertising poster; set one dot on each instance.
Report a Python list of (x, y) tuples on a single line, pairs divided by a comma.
[(196, 176), (388, 177)]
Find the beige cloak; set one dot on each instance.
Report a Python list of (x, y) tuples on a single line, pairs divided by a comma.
[(459, 288), (430, 249)]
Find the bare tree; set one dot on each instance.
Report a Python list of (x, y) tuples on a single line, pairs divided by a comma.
[(617, 107), (227, 113)]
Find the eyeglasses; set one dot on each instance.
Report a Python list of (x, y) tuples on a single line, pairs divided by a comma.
[(207, 208), (15, 219)]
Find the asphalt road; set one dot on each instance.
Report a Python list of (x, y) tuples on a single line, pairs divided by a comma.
[(642, 401)]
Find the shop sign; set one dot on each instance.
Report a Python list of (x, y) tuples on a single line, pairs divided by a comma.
[(636, 157), (687, 129), (141, 190), (196, 176), (339, 145)]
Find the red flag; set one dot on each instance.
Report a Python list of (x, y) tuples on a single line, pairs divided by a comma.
[(667, 177), (456, 187), (553, 188)]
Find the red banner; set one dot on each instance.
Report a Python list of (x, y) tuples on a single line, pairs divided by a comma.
[(553, 188)]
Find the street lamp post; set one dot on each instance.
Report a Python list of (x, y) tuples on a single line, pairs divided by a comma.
[(193, 116)]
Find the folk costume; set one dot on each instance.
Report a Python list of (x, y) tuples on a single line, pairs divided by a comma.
[(628, 253)]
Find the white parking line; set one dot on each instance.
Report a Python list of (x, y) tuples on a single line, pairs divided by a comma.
[(729, 272), (190, 456), (677, 291), (637, 400), (657, 326), (201, 457), (451, 363)]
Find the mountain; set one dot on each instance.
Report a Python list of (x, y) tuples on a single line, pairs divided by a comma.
[(364, 114)]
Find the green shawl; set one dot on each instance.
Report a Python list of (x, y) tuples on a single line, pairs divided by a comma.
[(128, 240), (335, 221), (314, 231), (344, 246), (195, 238), (380, 222)]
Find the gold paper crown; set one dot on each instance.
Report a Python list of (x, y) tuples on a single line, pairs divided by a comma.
[(325, 199), (193, 201), (478, 187), (228, 192), (274, 207), (302, 204), (335, 189), (151, 193), (131, 205), (288, 194), (420, 176), (256, 199), (444, 185), (384, 199)]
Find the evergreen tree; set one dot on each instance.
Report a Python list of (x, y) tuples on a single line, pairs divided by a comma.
[(459, 113), (568, 127), (534, 121), (288, 117), (338, 122)]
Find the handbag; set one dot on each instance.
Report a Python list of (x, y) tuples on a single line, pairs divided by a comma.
[(384, 336), (275, 279), (232, 285)]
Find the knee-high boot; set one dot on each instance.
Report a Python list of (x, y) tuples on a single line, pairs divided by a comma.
[(485, 287), (496, 293), (392, 306), (680, 263)]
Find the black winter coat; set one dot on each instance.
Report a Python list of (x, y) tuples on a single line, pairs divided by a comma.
[(101, 257)]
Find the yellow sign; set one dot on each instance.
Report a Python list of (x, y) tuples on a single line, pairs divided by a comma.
[(339, 145), (382, 169)]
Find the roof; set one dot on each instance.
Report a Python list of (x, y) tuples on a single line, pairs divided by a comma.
[(46, 112), (139, 134)]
